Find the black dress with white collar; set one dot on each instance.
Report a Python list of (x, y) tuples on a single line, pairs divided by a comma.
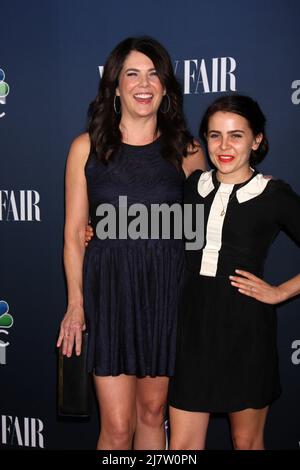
[(226, 342)]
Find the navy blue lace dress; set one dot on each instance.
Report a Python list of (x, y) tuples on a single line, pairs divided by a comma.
[(131, 286)]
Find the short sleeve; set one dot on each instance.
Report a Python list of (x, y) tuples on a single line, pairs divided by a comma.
[(190, 186), (288, 210)]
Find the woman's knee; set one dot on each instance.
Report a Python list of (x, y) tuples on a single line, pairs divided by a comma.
[(151, 413), (118, 432), (245, 441), (185, 443)]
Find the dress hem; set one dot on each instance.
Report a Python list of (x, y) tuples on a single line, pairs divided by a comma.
[(98, 373), (233, 409)]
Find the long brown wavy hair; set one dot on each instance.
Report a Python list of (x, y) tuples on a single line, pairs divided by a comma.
[(103, 121)]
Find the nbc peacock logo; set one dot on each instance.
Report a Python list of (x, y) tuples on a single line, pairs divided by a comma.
[(6, 322), (4, 90)]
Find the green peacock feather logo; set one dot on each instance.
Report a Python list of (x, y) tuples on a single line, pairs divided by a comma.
[(4, 87), (6, 320)]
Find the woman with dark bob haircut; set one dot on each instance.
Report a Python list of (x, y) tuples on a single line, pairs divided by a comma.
[(226, 360), (124, 290)]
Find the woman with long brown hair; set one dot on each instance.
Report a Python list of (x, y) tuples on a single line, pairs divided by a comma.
[(125, 290)]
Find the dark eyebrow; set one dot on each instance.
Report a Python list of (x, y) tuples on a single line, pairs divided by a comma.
[(131, 69), (229, 132)]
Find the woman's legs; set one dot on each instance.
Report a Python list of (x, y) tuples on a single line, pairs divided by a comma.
[(151, 399), (188, 429), (117, 405), (247, 428)]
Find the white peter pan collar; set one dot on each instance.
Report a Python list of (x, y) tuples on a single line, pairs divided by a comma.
[(251, 190), (205, 183)]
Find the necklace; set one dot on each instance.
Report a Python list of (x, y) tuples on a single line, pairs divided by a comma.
[(223, 211)]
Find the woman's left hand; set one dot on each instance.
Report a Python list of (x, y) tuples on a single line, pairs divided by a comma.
[(253, 286)]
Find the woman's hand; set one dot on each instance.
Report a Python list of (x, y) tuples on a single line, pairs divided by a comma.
[(253, 286), (71, 331), (89, 233)]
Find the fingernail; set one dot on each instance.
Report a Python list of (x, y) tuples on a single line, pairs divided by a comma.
[(237, 271)]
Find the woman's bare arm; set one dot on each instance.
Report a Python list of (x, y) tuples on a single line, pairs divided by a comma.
[(74, 243)]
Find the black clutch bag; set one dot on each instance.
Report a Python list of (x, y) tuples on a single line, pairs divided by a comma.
[(74, 383)]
